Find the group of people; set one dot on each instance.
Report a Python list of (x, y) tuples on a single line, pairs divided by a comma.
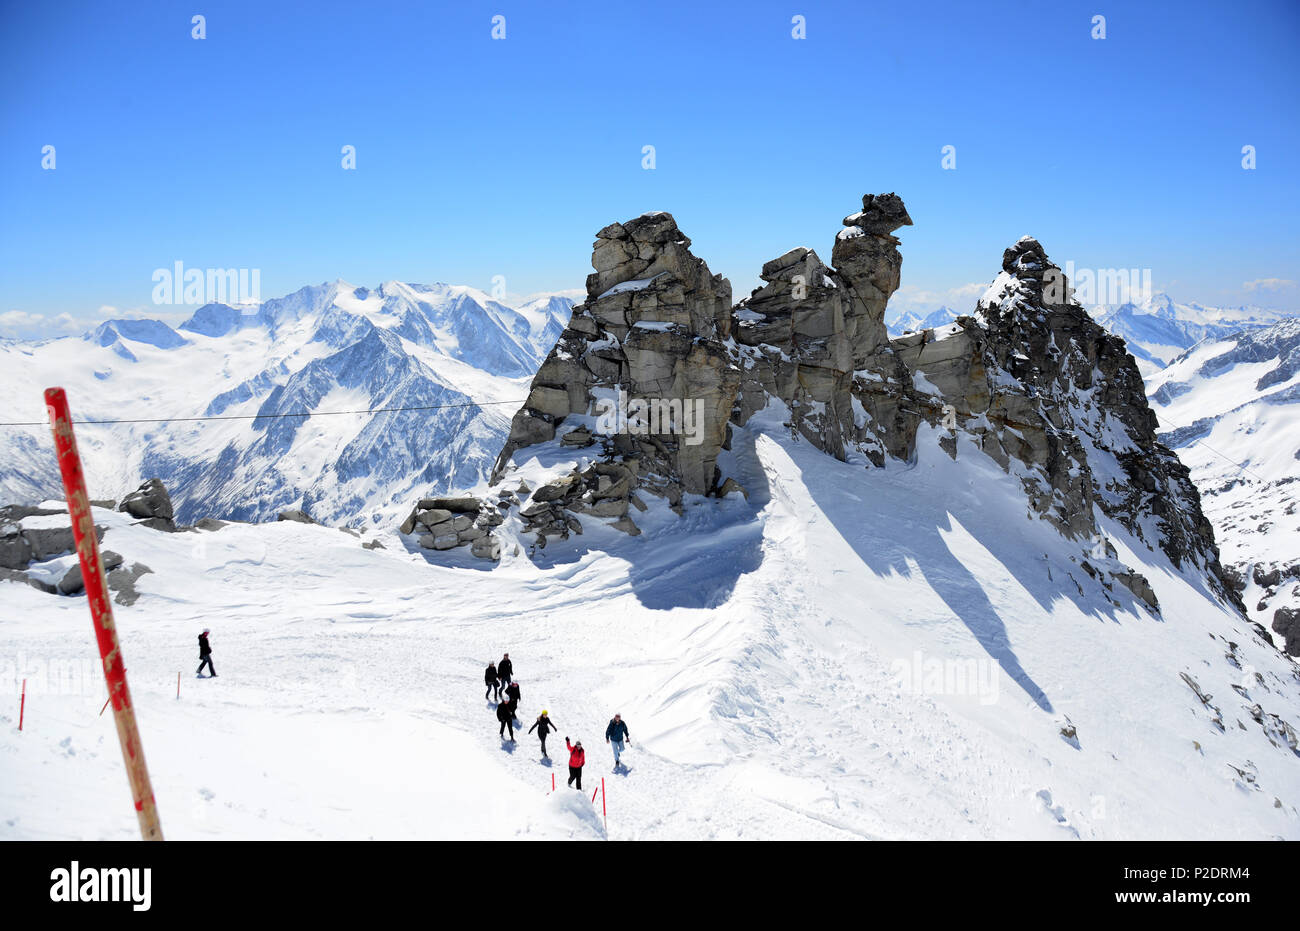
[(500, 681)]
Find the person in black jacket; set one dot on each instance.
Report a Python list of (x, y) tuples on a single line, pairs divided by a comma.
[(490, 678), (615, 734), (205, 655), (505, 669), (507, 718), (543, 726), (512, 696)]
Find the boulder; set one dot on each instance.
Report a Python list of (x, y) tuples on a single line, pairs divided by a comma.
[(151, 503), (15, 549), (296, 515), (432, 517), (1286, 622), (72, 582)]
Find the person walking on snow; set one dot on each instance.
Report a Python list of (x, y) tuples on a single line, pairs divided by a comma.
[(615, 734), (507, 719), (512, 696), (505, 669), (576, 760), (490, 678), (205, 655), (543, 726)]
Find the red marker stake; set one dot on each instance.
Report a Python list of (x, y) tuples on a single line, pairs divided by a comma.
[(106, 701), (22, 705), (101, 612), (604, 814), (552, 782)]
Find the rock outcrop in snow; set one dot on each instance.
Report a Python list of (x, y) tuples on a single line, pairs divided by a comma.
[(1029, 377), (152, 504)]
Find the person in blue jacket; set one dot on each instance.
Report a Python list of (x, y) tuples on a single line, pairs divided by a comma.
[(615, 735)]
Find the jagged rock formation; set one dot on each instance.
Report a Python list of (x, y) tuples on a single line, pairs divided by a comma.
[(653, 327), (815, 338), (1029, 377), (1048, 392)]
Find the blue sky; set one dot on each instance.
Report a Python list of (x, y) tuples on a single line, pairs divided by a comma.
[(479, 157)]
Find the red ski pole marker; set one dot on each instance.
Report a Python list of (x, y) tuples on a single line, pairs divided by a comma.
[(101, 612), (22, 705)]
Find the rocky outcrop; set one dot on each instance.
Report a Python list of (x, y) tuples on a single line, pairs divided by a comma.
[(152, 505), (21, 546), (814, 337), (1049, 394), (642, 371), (448, 523), (639, 395), (40, 556), (296, 515)]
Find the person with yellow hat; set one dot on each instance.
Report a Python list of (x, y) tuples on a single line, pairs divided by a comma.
[(544, 726)]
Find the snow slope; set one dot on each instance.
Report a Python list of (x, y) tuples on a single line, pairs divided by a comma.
[(762, 652), (332, 347)]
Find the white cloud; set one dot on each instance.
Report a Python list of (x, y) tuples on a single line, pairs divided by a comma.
[(1268, 284), (22, 324), (961, 298)]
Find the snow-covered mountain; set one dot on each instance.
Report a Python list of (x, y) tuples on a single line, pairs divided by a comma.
[(999, 616), (1230, 407), (910, 321), (452, 351), (1157, 329)]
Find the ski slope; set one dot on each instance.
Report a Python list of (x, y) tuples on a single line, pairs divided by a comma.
[(760, 650)]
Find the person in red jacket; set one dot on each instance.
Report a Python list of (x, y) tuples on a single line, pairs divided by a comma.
[(576, 759)]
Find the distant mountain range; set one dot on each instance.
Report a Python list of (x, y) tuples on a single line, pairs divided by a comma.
[(1230, 408), (325, 348)]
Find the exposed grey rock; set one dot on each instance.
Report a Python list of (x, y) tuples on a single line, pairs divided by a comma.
[(72, 583), (209, 523), (296, 515), (13, 513), (462, 505), (432, 517), (122, 581), (152, 504), (1286, 622), (15, 550), (47, 543), (652, 329)]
